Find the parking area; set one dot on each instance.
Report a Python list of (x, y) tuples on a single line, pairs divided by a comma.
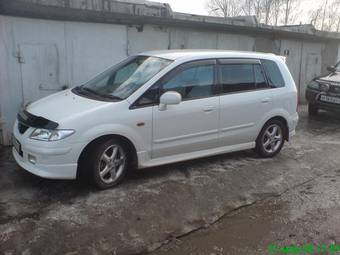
[(229, 204)]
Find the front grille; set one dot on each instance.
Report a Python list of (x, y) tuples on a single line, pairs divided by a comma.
[(22, 128)]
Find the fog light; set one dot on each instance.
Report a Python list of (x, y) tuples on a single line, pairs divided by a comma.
[(32, 159)]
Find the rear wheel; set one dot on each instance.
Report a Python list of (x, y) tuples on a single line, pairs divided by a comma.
[(108, 163), (271, 139), (313, 110)]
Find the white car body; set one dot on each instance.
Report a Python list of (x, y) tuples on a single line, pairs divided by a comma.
[(192, 129)]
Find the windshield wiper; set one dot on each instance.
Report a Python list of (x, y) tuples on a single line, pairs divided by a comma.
[(89, 90), (95, 93), (111, 97)]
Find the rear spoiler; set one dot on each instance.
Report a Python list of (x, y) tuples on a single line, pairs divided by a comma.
[(284, 59)]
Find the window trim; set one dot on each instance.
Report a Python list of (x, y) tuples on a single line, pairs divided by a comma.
[(172, 73)]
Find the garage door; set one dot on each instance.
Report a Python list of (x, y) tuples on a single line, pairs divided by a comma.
[(40, 70)]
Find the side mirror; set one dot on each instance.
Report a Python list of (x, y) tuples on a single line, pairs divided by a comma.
[(169, 98), (331, 68)]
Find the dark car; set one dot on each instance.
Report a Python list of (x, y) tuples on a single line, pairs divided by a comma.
[(323, 92)]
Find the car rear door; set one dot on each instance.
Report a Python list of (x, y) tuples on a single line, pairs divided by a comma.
[(245, 98)]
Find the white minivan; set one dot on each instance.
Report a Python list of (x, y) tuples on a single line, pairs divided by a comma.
[(157, 108)]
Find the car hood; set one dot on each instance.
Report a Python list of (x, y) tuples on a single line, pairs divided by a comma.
[(332, 78), (63, 106)]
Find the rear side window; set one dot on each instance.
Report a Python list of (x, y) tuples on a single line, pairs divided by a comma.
[(273, 73), (241, 77), (237, 77), (260, 79)]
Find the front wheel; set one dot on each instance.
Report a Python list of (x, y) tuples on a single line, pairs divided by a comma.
[(271, 139), (108, 163)]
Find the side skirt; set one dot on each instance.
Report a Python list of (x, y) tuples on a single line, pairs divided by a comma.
[(192, 155)]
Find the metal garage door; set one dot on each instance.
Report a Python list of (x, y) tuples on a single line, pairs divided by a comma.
[(40, 71)]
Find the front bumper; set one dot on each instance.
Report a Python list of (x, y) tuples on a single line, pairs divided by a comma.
[(61, 171), (54, 160), (312, 97)]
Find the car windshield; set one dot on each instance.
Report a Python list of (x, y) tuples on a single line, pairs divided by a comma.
[(120, 81)]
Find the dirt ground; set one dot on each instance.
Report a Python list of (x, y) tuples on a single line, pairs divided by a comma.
[(229, 204)]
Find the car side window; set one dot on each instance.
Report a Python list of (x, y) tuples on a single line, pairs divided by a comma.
[(260, 79), (149, 98), (237, 77), (273, 73), (191, 81)]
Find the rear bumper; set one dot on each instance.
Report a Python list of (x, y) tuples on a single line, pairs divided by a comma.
[(293, 122), (312, 97)]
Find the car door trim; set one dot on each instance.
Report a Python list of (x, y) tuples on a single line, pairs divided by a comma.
[(182, 137), (248, 125)]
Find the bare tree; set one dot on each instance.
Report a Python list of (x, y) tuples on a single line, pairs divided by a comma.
[(225, 8), (276, 11), (271, 12), (288, 8), (326, 16), (267, 10)]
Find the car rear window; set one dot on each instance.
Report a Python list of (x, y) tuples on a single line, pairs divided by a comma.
[(273, 73)]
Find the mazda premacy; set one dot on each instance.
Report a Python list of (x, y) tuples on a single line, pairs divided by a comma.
[(157, 108)]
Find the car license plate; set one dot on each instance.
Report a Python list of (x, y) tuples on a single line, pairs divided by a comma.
[(328, 99), (17, 146)]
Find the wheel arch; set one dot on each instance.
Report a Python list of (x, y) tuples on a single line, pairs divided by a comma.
[(284, 121), (131, 147)]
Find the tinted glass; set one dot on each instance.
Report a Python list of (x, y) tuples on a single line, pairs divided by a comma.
[(192, 82), (237, 77), (150, 97), (274, 75), (260, 77)]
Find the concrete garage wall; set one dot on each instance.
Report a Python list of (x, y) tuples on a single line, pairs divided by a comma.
[(147, 38), (311, 65), (92, 48), (192, 39), (235, 42), (41, 56)]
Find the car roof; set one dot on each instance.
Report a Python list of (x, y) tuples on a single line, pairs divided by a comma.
[(204, 54)]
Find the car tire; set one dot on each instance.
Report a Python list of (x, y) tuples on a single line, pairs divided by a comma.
[(108, 163), (313, 110), (271, 139)]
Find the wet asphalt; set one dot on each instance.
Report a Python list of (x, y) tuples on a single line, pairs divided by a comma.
[(229, 204)]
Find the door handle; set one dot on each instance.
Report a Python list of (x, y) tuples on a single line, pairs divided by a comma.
[(265, 100), (208, 108)]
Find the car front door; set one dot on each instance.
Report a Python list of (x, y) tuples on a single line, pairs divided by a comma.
[(192, 125), (245, 99)]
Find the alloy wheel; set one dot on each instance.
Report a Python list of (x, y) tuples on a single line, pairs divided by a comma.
[(112, 164), (272, 138)]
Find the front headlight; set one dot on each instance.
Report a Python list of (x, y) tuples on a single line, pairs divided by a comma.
[(314, 85), (50, 135)]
